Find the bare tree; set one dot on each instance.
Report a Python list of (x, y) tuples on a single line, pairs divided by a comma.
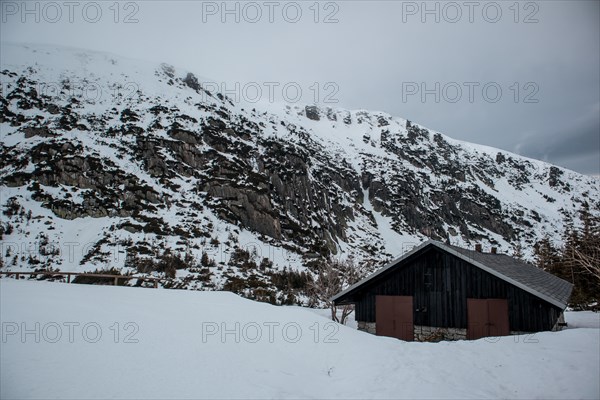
[(582, 250), (587, 260), (331, 278)]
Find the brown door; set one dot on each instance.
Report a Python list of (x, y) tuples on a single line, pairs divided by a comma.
[(394, 317), (498, 317), (487, 317), (476, 318)]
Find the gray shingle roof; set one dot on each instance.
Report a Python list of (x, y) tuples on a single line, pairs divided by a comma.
[(534, 280), (514, 271)]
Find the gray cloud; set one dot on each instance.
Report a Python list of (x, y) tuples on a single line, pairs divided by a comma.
[(574, 144), (372, 53)]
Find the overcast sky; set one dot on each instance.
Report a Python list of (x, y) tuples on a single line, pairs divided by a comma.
[(523, 76)]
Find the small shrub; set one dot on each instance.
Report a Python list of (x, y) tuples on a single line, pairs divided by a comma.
[(12, 207)]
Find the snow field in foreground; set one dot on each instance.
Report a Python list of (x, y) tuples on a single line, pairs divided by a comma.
[(80, 341)]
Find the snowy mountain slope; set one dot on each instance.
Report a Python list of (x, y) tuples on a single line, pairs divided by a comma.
[(111, 342), (111, 162)]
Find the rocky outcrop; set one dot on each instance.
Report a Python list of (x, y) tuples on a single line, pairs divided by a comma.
[(191, 169)]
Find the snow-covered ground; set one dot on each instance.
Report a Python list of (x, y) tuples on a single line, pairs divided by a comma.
[(583, 319), (79, 341)]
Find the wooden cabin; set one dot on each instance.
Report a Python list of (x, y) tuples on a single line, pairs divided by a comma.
[(443, 292)]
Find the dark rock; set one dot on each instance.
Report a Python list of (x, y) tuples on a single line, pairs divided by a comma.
[(312, 112), (38, 131)]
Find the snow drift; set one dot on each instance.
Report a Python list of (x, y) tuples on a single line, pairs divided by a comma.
[(78, 341)]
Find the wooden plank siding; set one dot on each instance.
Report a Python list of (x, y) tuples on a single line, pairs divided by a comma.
[(440, 284)]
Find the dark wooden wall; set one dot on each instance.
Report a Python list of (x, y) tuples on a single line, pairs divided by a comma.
[(440, 284)]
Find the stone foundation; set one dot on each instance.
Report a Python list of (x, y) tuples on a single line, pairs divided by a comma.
[(422, 333), (368, 327), (434, 334)]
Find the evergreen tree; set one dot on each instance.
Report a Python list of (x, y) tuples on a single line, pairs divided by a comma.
[(204, 261), (578, 260)]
